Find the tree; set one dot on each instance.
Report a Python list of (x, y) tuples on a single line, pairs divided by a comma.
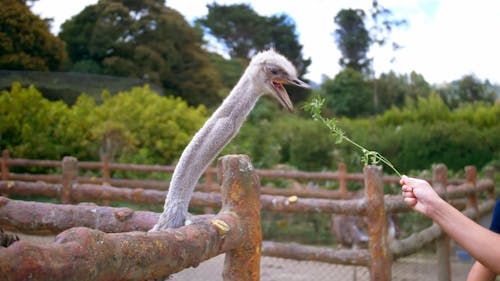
[(382, 25), (234, 26), (348, 94), (25, 40), (143, 39), (467, 90), (472, 89), (230, 71), (353, 39), (394, 89), (355, 36), (244, 32)]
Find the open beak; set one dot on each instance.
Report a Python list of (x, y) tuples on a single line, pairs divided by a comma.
[(280, 91)]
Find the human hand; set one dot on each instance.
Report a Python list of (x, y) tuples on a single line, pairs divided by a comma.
[(419, 195)]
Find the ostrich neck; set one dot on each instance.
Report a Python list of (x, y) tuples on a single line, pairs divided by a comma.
[(209, 141)]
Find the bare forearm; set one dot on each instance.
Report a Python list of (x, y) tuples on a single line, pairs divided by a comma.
[(479, 272), (481, 243)]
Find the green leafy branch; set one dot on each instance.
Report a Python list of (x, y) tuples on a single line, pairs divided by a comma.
[(368, 158)]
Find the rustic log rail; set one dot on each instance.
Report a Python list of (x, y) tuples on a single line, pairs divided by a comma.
[(34, 217), (106, 167), (92, 192), (88, 254)]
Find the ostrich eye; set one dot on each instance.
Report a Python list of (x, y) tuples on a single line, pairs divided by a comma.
[(274, 71)]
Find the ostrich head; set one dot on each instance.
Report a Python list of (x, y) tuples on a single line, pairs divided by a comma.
[(271, 71)]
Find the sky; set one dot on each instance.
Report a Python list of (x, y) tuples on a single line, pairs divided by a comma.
[(443, 40)]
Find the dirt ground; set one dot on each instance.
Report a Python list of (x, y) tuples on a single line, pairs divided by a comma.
[(277, 269), (412, 268)]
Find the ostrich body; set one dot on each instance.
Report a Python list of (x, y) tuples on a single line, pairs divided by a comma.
[(265, 74)]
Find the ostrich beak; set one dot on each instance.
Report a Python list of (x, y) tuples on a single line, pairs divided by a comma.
[(281, 94)]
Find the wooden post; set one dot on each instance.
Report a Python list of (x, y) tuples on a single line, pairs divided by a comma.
[(209, 181), (378, 245), (342, 180), (471, 176), (240, 190), (5, 170), (106, 177), (439, 182), (106, 173), (5, 167), (69, 178), (489, 172)]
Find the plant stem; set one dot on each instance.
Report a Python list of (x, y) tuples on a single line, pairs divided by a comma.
[(368, 158)]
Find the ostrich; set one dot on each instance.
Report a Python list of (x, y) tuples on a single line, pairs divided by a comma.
[(265, 75)]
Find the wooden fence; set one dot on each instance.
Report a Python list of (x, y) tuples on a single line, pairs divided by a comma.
[(34, 217), (106, 168)]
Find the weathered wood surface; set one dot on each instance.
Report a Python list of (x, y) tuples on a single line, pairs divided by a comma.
[(91, 192), (288, 204), (88, 254), (47, 218), (378, 245), (314, 253), (240, 194)]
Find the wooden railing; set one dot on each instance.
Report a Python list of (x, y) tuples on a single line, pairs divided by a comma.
[(208, 183), (88, 254), (52, 218)]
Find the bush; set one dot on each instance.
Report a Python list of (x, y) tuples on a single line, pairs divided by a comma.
[(455, 144), (287, 139), (136, 126), (29, 124), (141, 127)]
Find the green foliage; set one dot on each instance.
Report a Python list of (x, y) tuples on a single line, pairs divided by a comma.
[(68, 86), (427, 132), (235, 26), (348, 94), (137, 126), (393, 90), (468, 89), (413, 222), (143, 39), (368, 157), (300, 228), (140, 126), (424, 132), (229, 71), (456, 144), (478, 115), (25, 40), (271, 138), (29, 123), (424, 110), (244, 32)]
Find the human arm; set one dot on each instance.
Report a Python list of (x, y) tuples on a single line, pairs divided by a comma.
[(479, 272), (479, 242)]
